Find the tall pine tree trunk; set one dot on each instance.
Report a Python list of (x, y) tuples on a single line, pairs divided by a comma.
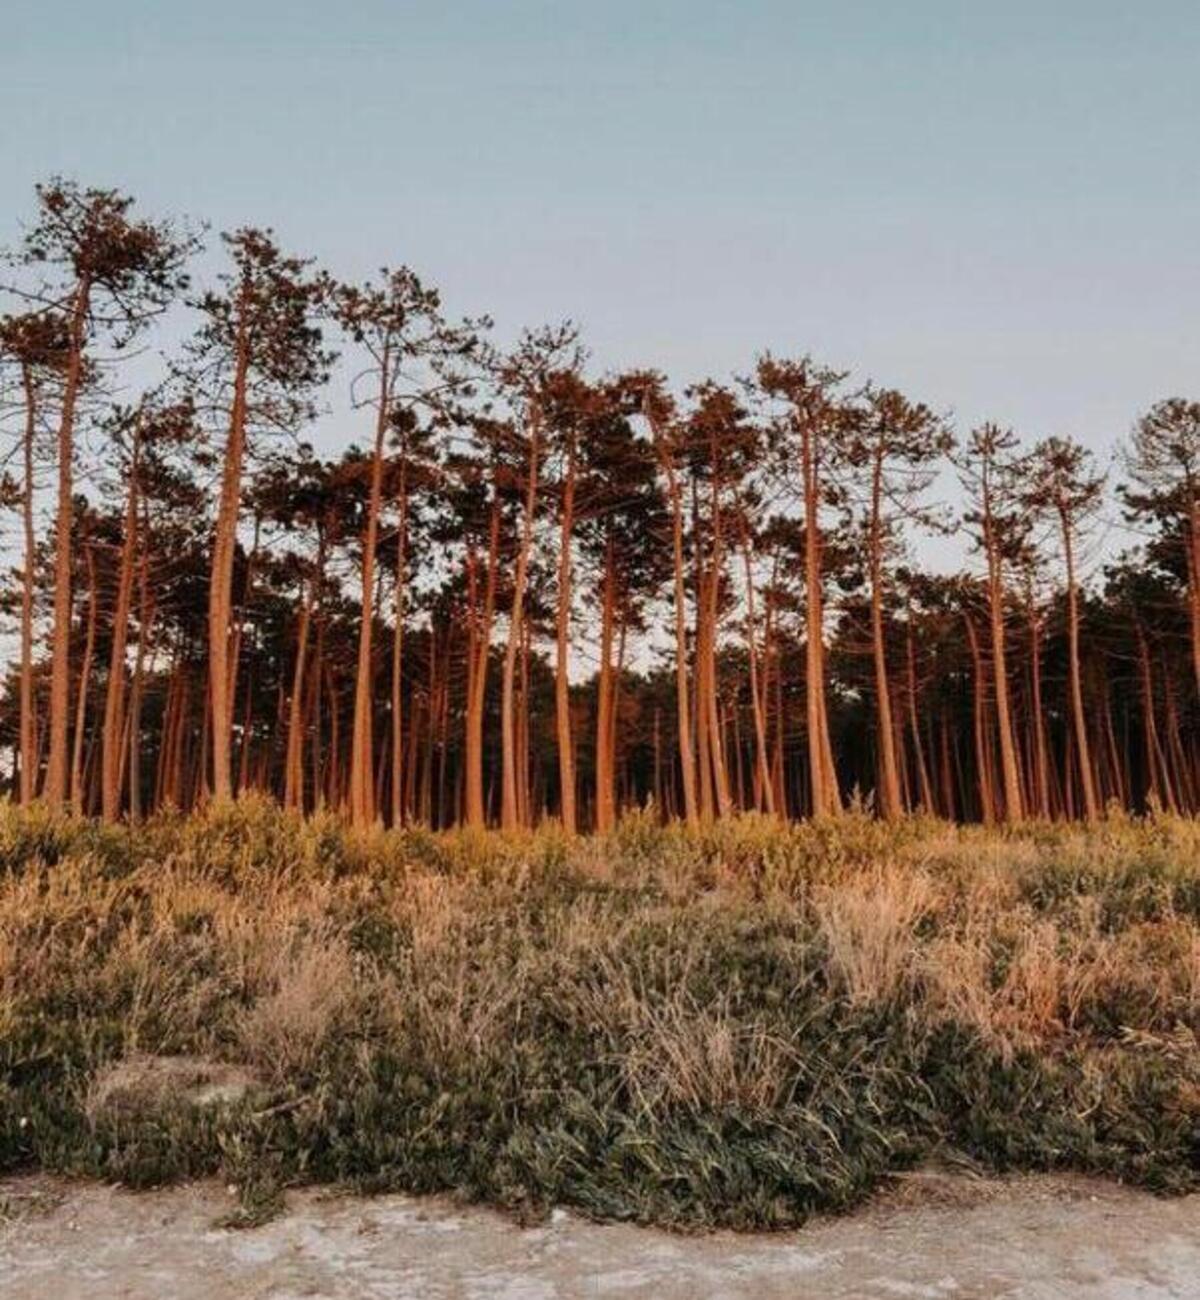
[(510, 811), (60, 668), (687, 759), (398, 804), (85, 682), (562, 686), (826, 796), (114, 733), (28, 757), (221, 674), (1083, 753), (890, 802), (362, 757)]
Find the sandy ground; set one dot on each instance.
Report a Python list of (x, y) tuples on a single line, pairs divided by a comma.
[(930, 1236)]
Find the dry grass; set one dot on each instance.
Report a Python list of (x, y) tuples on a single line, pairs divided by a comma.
[(513, 1012), (869, 920)]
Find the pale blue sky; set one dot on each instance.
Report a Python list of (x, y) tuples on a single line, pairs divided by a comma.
[(996, 207)]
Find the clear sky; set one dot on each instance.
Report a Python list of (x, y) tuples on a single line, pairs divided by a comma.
[(993, 206)]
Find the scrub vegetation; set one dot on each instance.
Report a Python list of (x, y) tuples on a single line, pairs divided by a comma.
[(735, 1025)]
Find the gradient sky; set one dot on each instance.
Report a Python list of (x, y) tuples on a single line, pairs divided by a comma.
[(995, 207)]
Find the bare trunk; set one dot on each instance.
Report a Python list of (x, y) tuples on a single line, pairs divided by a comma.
[(890, 803), (510, 811), (914, 725), (362, 794), (987, 798), (60, 671), (711, 714), (398, 805), (605, 801), (687, 760), (1194, 581), (221, 674), (85, 681), (1009, 767), (293, 788), (562, 685), (1041, 764), (114, 701), (134, 729), (478, 655), (1158, 779), (29, 759), (764, 791), (1087, 784), (826, 797)]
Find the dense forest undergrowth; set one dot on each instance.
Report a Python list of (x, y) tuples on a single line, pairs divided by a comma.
[(734, 1025)]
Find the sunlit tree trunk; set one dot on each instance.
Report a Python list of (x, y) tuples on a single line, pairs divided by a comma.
[(605, 796), (1193, 569), (133, 731), (687, 760), (711, 713), (478, 653), (55, 790), (293, 788), (826, 797), (914, 725), (85, 682), (28, 725), (221, 683), (1083, 753), (983, 764), (1158, 779), (398, 804), (1041, 765), (510, 813), (562, 687), (890, 802), (114, 701), (362, 795), (1009, 767), (764, 790)]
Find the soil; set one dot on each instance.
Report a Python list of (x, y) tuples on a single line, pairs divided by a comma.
[(929, 1235)]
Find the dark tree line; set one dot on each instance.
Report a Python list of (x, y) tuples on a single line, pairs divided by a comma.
[(528, 590)]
